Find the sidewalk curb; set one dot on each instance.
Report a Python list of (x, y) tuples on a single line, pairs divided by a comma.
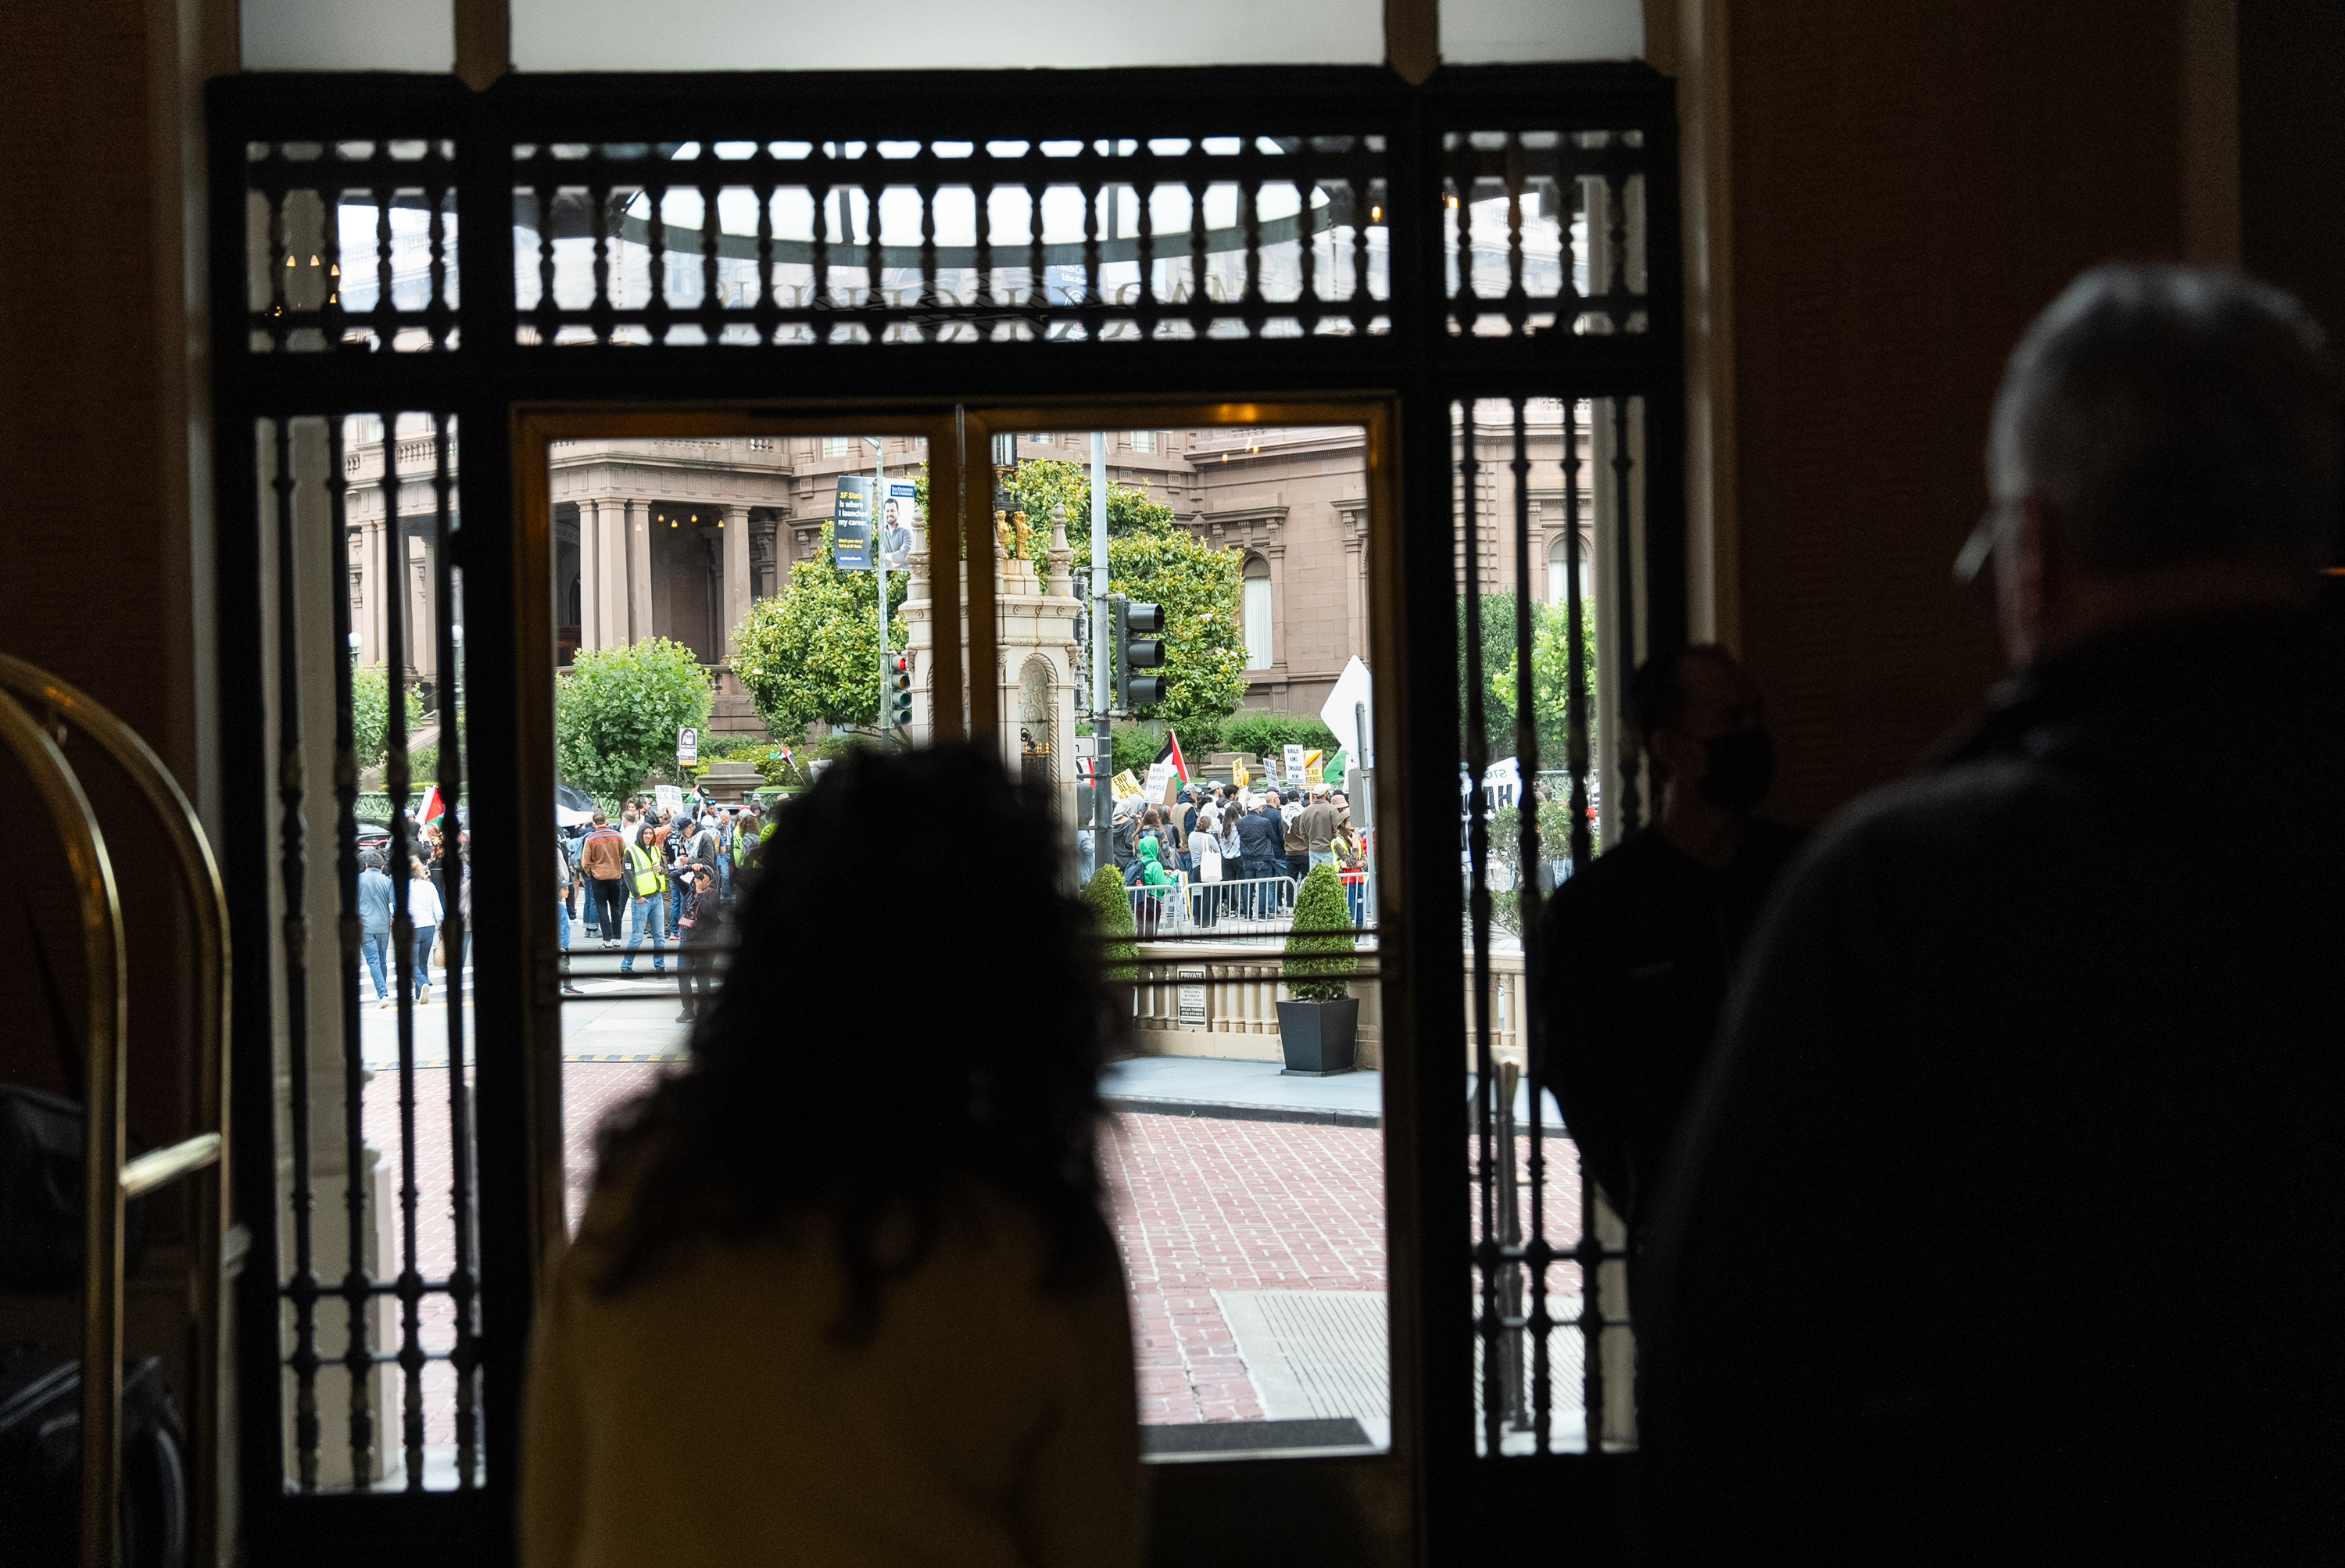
[(1158, 1105)]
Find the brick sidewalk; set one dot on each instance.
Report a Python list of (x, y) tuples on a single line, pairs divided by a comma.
[(1205, 1205), (1201, 1205)]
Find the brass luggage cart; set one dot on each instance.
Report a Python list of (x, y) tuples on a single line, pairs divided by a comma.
[(37, 711)]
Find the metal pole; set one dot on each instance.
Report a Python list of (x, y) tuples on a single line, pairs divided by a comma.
[(1102, 763), (1366, 807), (877, 510)]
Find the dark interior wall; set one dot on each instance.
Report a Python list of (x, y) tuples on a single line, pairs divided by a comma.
[(1911, 184), (2292, 150), (2292, 155)]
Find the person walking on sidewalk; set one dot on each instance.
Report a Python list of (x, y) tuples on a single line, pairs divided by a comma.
[(646, 904), (603, 859), (374, 923), (424, 912)]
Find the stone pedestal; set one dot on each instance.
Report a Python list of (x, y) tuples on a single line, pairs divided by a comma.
[(1035, 671)]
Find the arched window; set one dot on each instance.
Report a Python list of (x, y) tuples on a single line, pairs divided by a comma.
[(1558, 571), (1257, 613)]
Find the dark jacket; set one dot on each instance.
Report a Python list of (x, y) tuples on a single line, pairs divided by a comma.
[(1259, 834), (1638, 950), (2006, 1225)]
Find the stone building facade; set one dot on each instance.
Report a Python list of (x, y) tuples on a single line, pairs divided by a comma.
[(677, 538)]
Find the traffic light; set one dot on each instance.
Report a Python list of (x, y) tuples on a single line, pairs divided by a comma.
[(899, 691), (1139, 645)]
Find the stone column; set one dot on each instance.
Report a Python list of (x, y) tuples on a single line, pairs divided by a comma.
[(590, 574), (635, 535), (1356, 582), (736, 598), (610, 571)]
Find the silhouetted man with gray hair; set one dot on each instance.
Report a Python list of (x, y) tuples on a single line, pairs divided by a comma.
[(2004, 1226)]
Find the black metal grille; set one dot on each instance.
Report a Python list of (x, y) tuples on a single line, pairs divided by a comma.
[(1546, 231), (379, 1369), (352, 245), (995, 240), (1551, 1323), (1170, 235)]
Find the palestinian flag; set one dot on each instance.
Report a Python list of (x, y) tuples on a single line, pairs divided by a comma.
[(431, 810), (1171, 753)]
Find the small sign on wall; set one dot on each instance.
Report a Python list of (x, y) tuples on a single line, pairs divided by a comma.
[(1192, 998)]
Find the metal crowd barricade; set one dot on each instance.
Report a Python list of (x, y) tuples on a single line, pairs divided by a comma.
[(1254, 906)]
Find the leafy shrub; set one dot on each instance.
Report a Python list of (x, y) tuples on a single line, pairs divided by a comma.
[(1110, 908), (1323, 924), (616, 713), (1269, 735), (371, 712)]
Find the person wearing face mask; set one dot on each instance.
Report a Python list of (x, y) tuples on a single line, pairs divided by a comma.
[(1639, 949)]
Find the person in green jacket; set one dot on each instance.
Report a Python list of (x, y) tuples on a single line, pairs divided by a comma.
[(1149, 856)]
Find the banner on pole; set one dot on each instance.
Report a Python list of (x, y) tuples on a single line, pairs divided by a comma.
[(687, 746), (850, 522), (895, 525)]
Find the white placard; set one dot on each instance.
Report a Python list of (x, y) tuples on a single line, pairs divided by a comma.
[(1158, 773), (669, 797), (1294, 765)]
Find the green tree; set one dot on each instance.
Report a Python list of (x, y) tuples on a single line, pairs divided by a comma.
[(371, 712), (1480, 677), (1205, 652), (1551, 683), (1323, 924), (812, 651), (616, 713), (1152, 558)]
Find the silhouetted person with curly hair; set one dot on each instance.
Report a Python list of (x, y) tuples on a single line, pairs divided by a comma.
[(845, 1292)]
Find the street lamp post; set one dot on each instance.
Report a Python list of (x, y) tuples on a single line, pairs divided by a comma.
[(878, 510), (1104, 753)]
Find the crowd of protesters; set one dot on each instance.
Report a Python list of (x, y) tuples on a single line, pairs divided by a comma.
[(1215, 833), (436, 857), (659, 875)]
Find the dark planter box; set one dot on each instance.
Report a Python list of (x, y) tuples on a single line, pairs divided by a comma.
[(1319, 1039)]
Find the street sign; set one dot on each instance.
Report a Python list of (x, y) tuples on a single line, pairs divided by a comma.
[(1193, 998), (850, 522), (687, 746)]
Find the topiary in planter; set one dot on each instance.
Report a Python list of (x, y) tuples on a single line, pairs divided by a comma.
[(1323, 924), (1111, 908)]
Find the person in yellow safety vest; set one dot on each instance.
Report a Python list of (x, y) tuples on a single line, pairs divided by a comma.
[(648, 905)]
